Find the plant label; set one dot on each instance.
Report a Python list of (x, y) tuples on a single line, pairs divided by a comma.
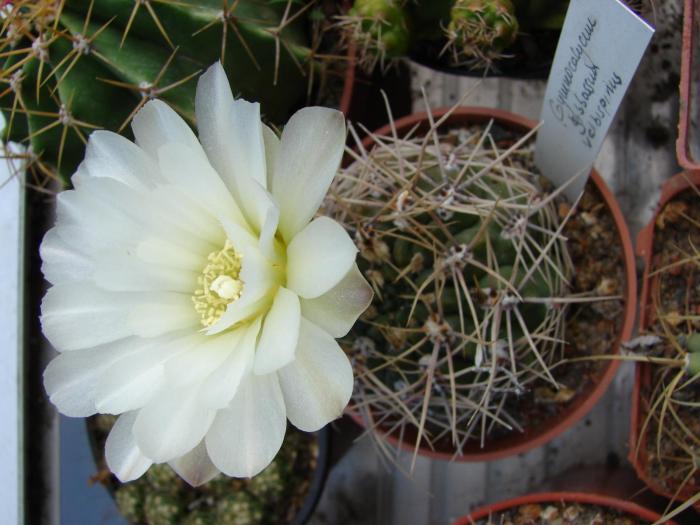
[(601, 44)]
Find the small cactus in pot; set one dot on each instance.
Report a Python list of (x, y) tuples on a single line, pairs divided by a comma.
[(463, 243), (480, 31), (73, 66), (380, 30)]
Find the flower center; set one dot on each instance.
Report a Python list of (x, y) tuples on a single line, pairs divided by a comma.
[(219, 284)]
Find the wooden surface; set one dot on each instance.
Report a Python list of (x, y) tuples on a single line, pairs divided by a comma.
[(637, 157)]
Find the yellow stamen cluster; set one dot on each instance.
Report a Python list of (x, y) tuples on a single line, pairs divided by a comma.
[(219, 284)]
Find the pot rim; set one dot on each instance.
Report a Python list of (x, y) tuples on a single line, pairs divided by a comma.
[(567, 497), (519, 443), (644, 249)]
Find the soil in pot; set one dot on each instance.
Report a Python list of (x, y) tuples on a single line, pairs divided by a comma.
[(276, 496), (430, 365), (562, 513), (668, 423)]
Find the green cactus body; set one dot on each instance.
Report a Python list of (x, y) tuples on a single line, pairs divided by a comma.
[(129, 498), (74, 66), (380, 28), (272, 483), (162, 478), (465, 257), (481, 29), (239, 508), (693, 363), (692, 358), (692, 342), (199, 517), (162, 508)]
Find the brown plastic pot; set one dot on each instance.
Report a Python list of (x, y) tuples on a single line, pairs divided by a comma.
[(643, 373), (517, 443), (567, 497)]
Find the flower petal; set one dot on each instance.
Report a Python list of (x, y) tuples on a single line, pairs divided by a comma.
[(219, 388), (157, 124), (230, 131), (71, 379), (318, 257), (195, 467), (247, 435), (307, 160), (122, 454), (272, 144), (337, 310), (131, 382), (267, 233), (110, 155), (75, 316), (161, 313), (128, 273), (317, 385), (280, 333), (200, 360), (194, 175), (172, 424), (61, 262), (232, 136)]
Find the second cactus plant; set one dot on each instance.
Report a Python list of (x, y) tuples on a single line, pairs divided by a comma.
[(476, 281)]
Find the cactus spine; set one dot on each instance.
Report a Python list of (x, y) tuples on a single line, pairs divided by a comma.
[(463, 245), (73, 66)]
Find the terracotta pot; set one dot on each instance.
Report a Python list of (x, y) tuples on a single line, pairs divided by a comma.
[(568, 497), (349, 81), (691, 18), (517, 443), (643, 372)]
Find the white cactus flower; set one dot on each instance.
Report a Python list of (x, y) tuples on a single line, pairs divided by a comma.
[(193, 291)]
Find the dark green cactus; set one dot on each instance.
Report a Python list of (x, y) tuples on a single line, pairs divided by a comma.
[(77, 65)]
